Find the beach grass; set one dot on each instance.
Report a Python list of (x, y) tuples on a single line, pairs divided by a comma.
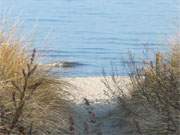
[(151, 105), (32, 101)]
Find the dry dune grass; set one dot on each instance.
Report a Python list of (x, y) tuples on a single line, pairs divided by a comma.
[(31, 100), (12, 58), (153, 106)]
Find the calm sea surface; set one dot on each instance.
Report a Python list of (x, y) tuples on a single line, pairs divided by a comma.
[(95, 33)]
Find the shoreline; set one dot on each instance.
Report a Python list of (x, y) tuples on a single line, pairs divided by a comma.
[(94, 76), (92, 88)]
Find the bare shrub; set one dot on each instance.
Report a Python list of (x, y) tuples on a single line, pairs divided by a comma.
[(153, 105)]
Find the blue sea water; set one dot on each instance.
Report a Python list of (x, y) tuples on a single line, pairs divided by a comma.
[(95, 33)]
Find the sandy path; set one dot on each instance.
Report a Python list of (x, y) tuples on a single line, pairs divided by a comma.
[(92, 89)]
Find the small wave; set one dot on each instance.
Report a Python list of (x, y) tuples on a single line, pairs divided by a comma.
[(63, 64)]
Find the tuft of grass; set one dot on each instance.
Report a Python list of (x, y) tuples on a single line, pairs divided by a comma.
[(32, 101)]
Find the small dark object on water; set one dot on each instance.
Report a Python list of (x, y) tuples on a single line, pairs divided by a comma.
[(67, 64)]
